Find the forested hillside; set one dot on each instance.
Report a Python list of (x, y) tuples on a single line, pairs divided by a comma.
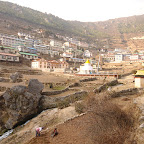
[(49, 21), (14, 18)]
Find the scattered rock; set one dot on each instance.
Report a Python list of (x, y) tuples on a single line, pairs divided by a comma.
[(141, 126), (35, 86), (2, 79), (15, 77), (141, 119)]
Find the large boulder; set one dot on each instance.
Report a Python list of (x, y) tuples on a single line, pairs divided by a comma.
[(15, 77), (35, 86), (2, 79), (20, 105)]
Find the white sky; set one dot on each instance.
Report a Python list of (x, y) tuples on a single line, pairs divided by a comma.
[(86, 10)]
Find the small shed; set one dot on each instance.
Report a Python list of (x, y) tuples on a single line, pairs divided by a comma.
[(139, 79)]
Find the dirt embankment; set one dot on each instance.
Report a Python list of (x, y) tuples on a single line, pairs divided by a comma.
[(108, 121), (104, 123)]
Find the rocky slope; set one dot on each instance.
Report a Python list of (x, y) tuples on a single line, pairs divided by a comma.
[(21, 103)]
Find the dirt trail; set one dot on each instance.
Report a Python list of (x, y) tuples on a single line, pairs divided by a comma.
[(72, 132)]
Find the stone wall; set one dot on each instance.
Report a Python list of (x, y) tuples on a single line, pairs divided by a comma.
[(88, 79), (105, 86), (48, 102), (48, 93), (130, 91)]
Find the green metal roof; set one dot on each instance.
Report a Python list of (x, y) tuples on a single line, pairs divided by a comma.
[(6, 47), (27, 54), (19, 44)]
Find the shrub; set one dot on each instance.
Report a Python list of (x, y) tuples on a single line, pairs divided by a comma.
[(79, 108)]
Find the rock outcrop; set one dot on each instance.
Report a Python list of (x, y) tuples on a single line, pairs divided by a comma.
[(35, 86), (22, 102)]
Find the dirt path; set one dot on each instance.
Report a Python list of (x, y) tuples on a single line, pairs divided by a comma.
[(47, 119), (72, 132)]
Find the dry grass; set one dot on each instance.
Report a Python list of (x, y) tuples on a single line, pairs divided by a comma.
[(108, 124), (79, 108)]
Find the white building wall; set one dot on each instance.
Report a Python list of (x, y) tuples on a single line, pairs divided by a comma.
[(118, 58), (139, 82), (35, 64), (134, 57)]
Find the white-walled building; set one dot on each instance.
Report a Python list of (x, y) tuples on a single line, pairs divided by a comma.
[(28, 55), (108, 57), (119, 57), (87, 53), (139, 79), (134, 57), (55, 43), (66, 44), (86, 68), (9, 57), (46, 65), (65, 54)]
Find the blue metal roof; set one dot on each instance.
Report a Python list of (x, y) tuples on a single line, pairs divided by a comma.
[(31, 48)]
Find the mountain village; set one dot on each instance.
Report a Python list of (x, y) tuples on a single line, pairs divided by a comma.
[(70, 82), (64, 56)]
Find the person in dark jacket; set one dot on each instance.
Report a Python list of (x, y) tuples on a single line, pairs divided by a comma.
[(54, 133)]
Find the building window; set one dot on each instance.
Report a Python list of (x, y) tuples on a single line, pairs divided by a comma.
[(9, 57), (3, 57), (14, 58)]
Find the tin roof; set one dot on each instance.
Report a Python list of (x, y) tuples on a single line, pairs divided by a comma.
[(7, 47), (140, 72), (27, 54), (8, 54)]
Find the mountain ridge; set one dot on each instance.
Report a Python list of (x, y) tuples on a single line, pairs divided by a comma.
[(16, 18)]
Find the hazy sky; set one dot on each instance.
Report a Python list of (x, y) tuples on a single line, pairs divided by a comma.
[(86, 10)]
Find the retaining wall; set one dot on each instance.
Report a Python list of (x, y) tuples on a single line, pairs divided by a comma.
[(105, 86), (130, 91)]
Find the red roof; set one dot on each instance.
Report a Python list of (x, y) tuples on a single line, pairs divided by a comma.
[(8, 54)]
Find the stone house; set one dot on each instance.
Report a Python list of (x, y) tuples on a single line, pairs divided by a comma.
[(28, 55), (46, 65), (9, 57), (66, 54)]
